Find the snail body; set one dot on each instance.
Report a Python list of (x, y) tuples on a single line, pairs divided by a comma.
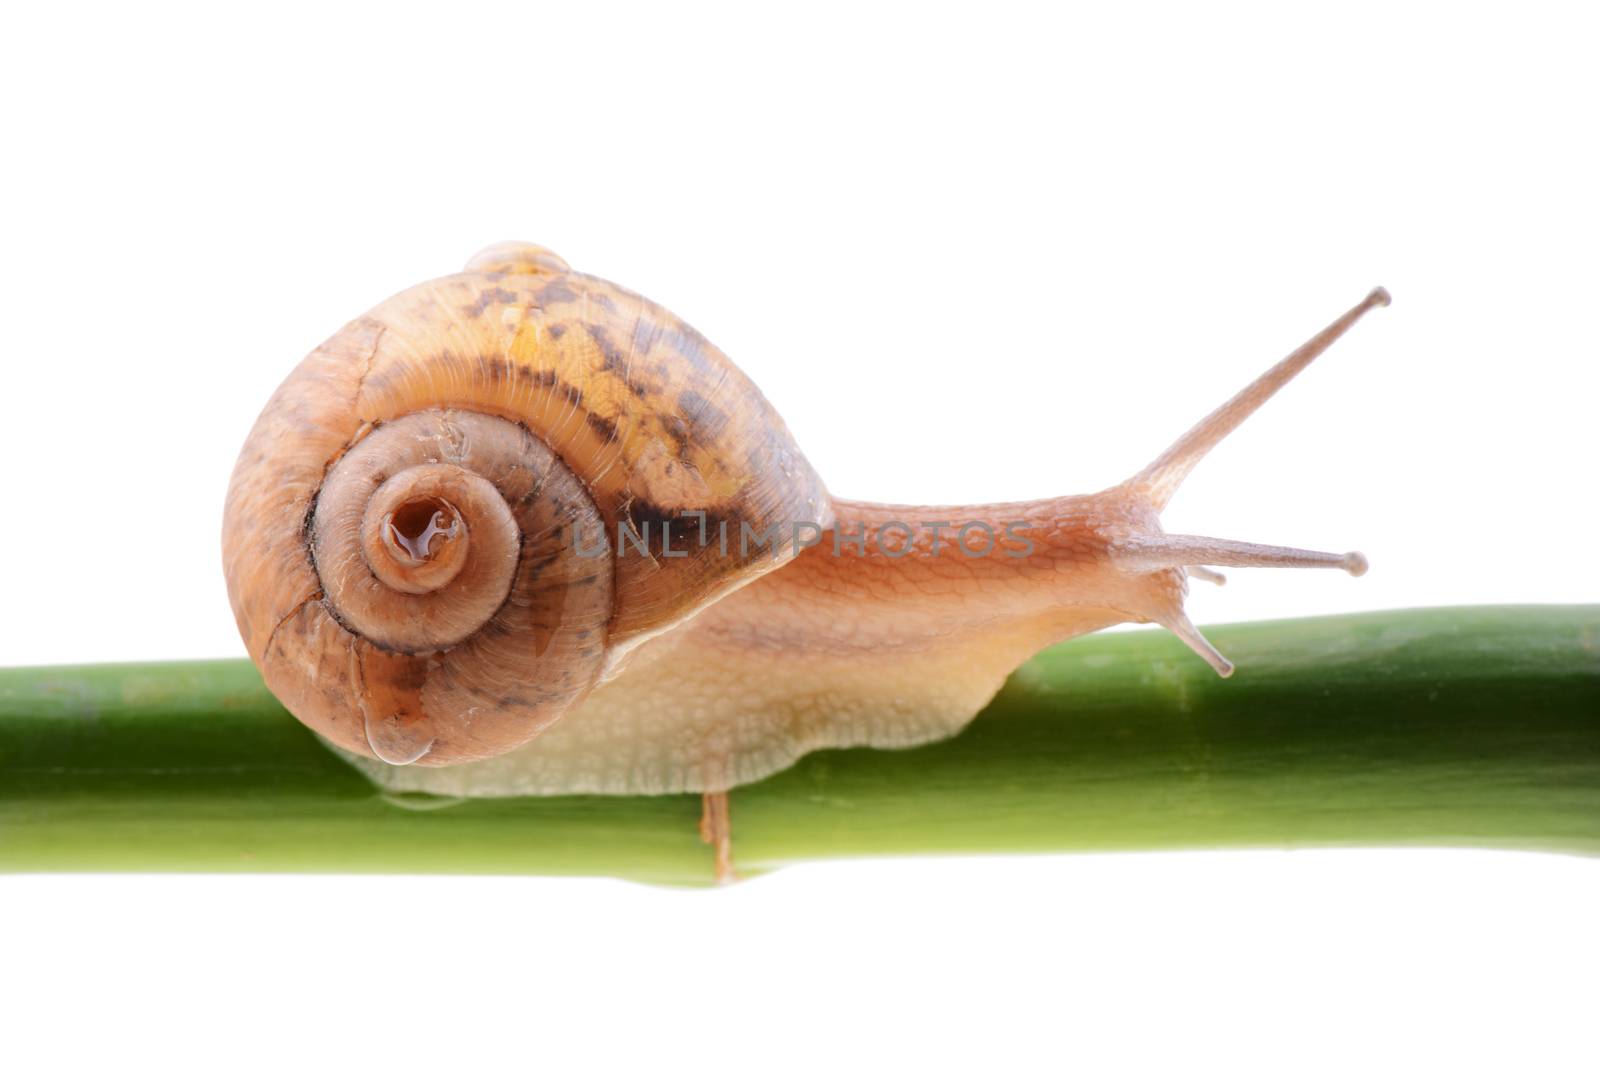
[(521, 531)]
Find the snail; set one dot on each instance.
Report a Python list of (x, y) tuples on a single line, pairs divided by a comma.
[(519, 530)]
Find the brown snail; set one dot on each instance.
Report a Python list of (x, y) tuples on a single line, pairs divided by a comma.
[(520, 530)]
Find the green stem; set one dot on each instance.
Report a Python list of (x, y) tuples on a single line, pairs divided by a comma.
[(1450, 726)]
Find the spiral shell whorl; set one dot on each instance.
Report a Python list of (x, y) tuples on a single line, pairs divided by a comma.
[(413, 537), (443, 593), (499, 589), (399, 529)]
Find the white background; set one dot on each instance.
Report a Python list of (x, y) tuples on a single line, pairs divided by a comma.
[(978, 252)]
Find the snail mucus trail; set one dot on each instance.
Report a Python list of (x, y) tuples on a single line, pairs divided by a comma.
[(398, 544)]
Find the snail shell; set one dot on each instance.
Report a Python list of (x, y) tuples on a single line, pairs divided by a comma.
[(402, 530)]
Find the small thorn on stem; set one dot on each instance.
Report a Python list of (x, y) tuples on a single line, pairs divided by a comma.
[(1205, 574), (716, 830)]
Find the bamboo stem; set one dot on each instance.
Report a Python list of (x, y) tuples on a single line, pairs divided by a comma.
[(1448, 726)]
